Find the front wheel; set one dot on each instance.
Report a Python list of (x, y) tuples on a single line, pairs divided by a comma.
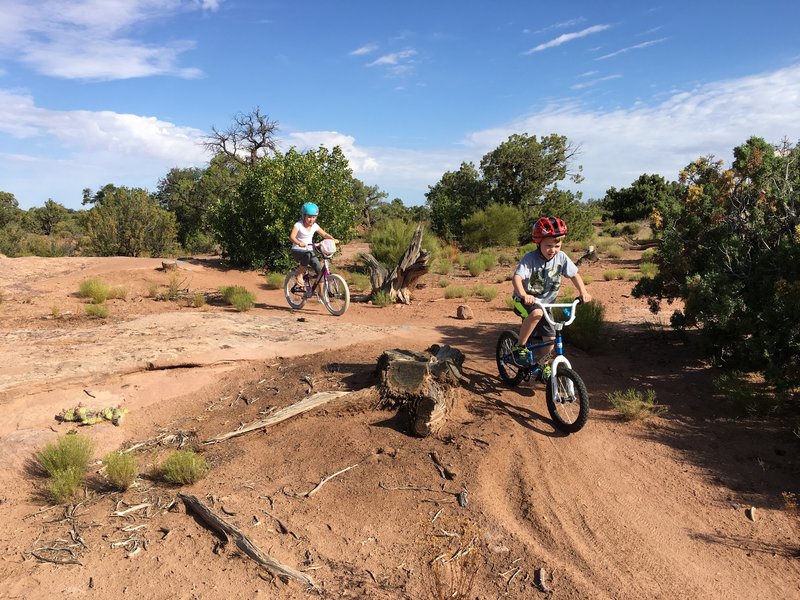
[(570, 407), (335, 294), (296, 300), (510, 372)]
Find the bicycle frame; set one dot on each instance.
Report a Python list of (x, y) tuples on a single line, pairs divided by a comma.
[(311, 288), (560, 359)]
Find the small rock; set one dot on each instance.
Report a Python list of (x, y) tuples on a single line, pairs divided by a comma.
[(750, 513), (464, 313)]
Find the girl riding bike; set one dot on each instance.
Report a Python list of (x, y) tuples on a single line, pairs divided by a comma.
[(302, 237)]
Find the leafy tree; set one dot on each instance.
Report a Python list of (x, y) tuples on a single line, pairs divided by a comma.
[(454, 197), (567, 206), (521, 170), (390, 238), (646, 195), (253, 223), (250, 138), (128, 222), (731, 252), (366, 198), (9, 209), (397, 210), (45, 220)]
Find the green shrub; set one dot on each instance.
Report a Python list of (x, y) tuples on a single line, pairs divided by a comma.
[(442, 267), (586, 331), (455, 291), (635, 406), (444, 282), (356, 280), (381, 298), (99, 311), (649, 255), (475, 267), (745, 396), (184, 467), (525, 249), (648, 269), (95, 289), (497, 225), (239, 297), (118, 292), (391, 238), (70, 451), (486, 292), (121, 469), (64, 484), (274, 280), (612, 274), (197, 300)]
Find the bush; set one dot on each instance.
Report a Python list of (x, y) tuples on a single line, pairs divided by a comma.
[(95, 289), (633, 406), (746, 396), (184, 467), (486, 292), (586, 331), (99, 311), (455, 291), (381, 298), (392, 237), (71, 451), (238, 296), (274, 280), (497, 225), (121, 469), (64, 484)]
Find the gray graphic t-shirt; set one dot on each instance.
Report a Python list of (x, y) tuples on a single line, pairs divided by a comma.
[(542, 278)]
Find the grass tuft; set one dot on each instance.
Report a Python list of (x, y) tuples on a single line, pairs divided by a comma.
[(239, 297), (274, 280), (121, 469), (97, 310), (184, 467), (635, 406), (95, 289), (69, 451), (381, 298)]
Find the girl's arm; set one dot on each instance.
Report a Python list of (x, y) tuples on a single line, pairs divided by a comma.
[(326, 236)]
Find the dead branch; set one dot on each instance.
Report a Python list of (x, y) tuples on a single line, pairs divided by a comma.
[(243, 543), (325, 480), (295, 409)]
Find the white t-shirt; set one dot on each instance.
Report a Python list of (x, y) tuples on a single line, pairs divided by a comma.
[(542, 278), (305, 234)]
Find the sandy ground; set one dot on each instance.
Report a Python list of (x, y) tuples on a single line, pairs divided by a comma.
[(618, 510)]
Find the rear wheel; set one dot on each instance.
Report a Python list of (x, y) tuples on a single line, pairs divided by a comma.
[(296, 300), (335, 294), (510, 372), (570, 407)]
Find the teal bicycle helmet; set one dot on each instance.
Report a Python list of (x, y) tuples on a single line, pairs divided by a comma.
[(309, 208)]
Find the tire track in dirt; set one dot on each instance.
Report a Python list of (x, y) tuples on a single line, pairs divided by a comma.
[(581, 509)]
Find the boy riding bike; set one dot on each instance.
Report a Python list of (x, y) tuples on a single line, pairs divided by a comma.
[(538, 278), (302, 237)]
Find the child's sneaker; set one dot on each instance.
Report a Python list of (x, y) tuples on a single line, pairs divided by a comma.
[(522, 356), (544, 373)]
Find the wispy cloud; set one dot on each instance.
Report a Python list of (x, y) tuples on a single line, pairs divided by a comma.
[(592, 82), (367, 49), (568, 37), (561, 25), (91, 39), (630, 48), (398, 64)]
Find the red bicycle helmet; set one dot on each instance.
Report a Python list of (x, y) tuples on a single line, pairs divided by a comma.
[(548, 227)]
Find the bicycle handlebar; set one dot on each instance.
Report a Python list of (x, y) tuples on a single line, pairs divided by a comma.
[(546, 310)]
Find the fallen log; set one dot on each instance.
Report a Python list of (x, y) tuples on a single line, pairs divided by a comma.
[(295, 409), (243, 543), (423, 384)]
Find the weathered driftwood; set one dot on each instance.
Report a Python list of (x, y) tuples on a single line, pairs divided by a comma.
[(421, 383), (642, 244), (243, 543), (295, 409), (589, 256), (399, 283)]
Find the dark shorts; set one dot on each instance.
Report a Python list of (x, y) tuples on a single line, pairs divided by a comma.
[(543, 328), (307, 258)]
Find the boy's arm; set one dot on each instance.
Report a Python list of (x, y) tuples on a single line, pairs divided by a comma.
[(519, 290), (577, 281)]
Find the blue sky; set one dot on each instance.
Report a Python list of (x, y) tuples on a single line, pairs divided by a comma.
[(120, 91)]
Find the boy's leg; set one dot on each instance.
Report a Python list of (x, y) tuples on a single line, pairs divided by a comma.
[(528, 325)]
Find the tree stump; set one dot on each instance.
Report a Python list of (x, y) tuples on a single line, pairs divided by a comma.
[(399, 283), (423, 384)]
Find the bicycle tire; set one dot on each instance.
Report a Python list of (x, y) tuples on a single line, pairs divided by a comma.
[(509, 371), (335, 294), (296, 300), (569, 411)]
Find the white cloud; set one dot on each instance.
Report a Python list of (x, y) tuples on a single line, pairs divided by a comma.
[(393, 58), (91, 39), (635, 47), (364, 50), (568, 37)]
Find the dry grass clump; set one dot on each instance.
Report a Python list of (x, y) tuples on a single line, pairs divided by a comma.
[(274, 281), (65, 461), (184, 467), (121, 469), (635, 406), (238, 297), (381, 298)]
